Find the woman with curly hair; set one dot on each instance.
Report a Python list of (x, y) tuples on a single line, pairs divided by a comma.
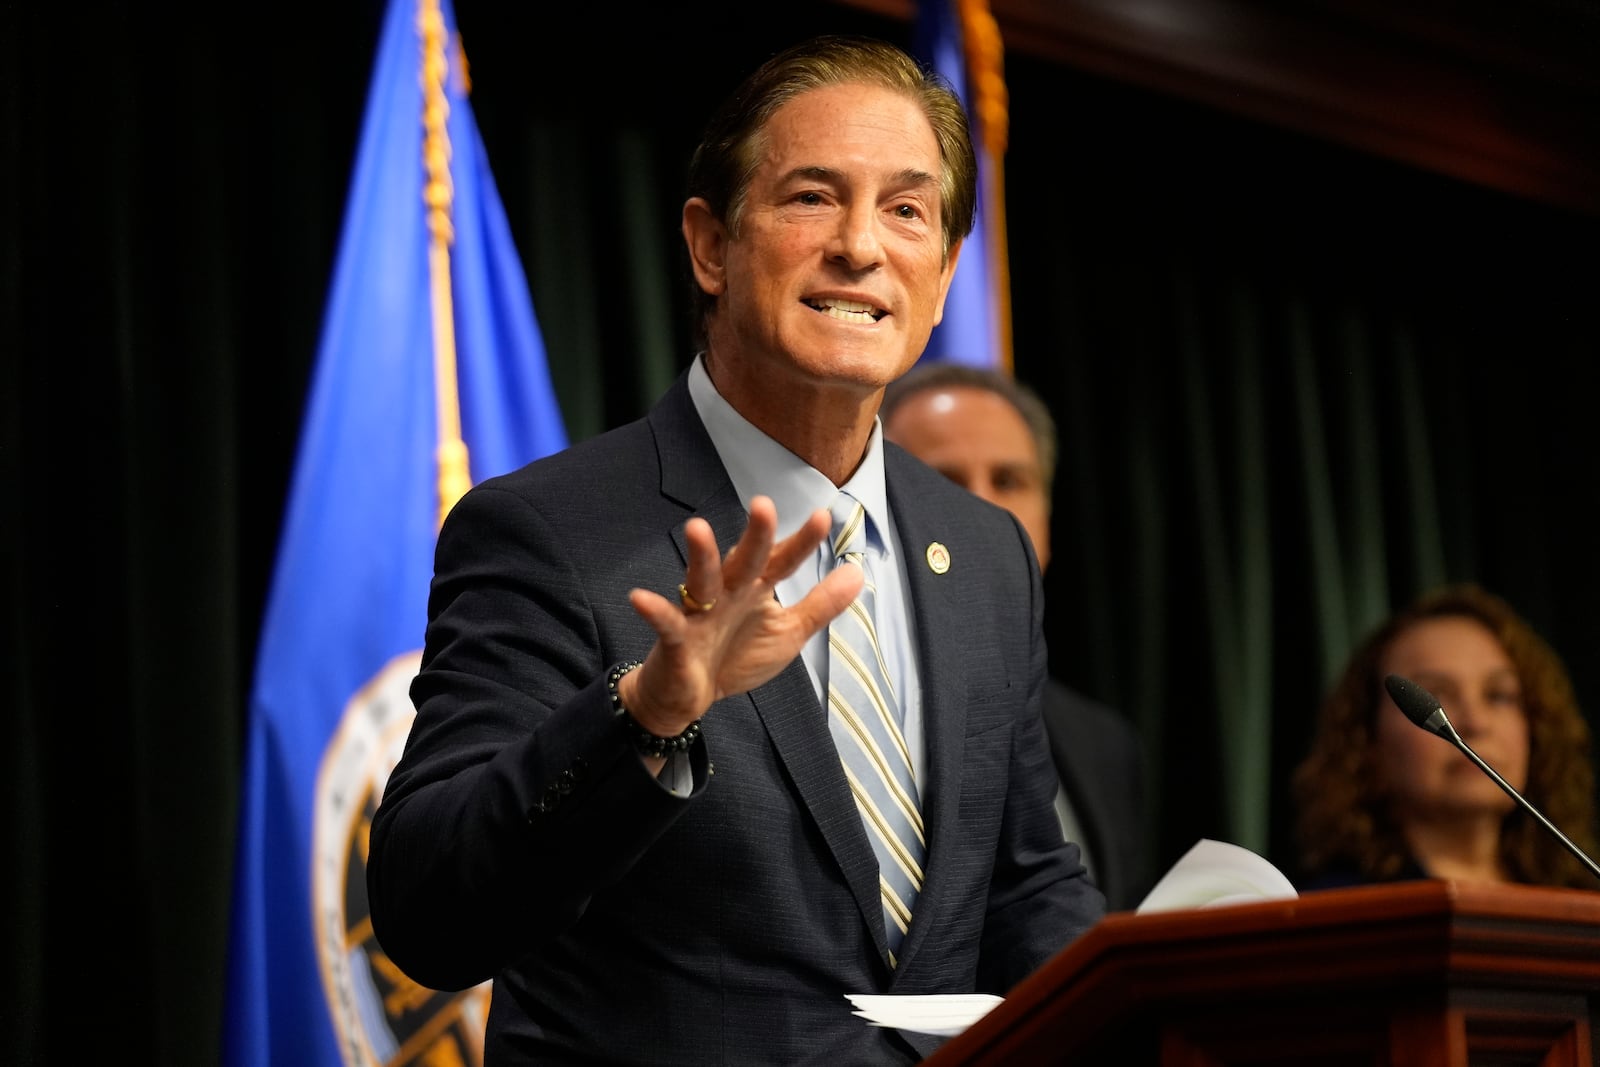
[(1379, 799)]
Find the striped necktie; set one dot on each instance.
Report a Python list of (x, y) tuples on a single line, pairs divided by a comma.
[(865, 717)]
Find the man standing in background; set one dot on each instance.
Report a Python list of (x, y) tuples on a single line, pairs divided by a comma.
[(996, 438)]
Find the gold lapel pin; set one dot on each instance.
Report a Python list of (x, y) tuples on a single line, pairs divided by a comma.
[(938, 558)]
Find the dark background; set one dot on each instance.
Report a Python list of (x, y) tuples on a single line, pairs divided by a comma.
[(1310, 287)]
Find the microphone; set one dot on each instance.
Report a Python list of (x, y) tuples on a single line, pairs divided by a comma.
[(1423, 708)]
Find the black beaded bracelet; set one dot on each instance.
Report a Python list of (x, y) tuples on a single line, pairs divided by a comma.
[(647, 743)]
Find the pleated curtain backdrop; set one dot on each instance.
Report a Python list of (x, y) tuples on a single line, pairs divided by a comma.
[(1295, 384)]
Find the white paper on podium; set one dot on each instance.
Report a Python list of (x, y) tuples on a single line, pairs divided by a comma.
[(1211, 874), (1216, 873), (943, 1014)]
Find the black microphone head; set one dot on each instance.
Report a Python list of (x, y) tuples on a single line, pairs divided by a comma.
[(1419, 705)]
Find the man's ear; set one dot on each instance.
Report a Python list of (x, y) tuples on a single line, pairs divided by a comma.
[(707, 239)]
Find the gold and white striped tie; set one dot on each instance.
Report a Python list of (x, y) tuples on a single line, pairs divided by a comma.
[(865, 717)]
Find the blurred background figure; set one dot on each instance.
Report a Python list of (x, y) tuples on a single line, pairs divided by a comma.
[(993, 435), (1378, 799)]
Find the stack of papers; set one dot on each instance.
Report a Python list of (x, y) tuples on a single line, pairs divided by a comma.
[(943, 1014)]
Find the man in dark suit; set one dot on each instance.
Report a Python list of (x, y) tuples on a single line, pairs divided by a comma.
[(992, 435), (622, 798)]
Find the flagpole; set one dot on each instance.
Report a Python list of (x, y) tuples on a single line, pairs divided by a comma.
[(438, 193)]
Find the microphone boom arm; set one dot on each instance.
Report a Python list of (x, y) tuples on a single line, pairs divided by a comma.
[(1424, 709), (1449, 734)]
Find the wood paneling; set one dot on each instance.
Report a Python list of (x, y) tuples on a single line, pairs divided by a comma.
[(1502, 95)]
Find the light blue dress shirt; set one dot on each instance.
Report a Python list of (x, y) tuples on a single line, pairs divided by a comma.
[(760, 466)]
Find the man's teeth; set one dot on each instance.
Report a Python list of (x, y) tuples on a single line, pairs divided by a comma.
[(848, 310)]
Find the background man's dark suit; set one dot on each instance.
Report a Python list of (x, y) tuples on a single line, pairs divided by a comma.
[(1102, 770), (610, 909)]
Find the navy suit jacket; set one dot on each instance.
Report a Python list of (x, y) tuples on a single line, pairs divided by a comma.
[(521, 839), (1102, 766)]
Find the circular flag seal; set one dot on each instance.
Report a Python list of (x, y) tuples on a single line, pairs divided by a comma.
[(379, 1015)]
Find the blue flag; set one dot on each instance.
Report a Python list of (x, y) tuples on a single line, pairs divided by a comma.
[(430, 374), (974, 328)]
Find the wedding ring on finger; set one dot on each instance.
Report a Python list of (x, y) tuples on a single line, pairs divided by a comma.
[(690, 604)]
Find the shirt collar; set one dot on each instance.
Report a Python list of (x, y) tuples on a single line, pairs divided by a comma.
[(758, 465)]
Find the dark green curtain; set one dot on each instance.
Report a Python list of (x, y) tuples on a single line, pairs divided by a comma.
[(1294, 385), (171, 201)]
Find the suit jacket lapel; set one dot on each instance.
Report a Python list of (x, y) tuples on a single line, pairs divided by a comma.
[(935, 603), (693, 475), (795, 721)]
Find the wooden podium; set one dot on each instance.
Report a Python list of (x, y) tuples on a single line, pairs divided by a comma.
[(1414, 974)]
